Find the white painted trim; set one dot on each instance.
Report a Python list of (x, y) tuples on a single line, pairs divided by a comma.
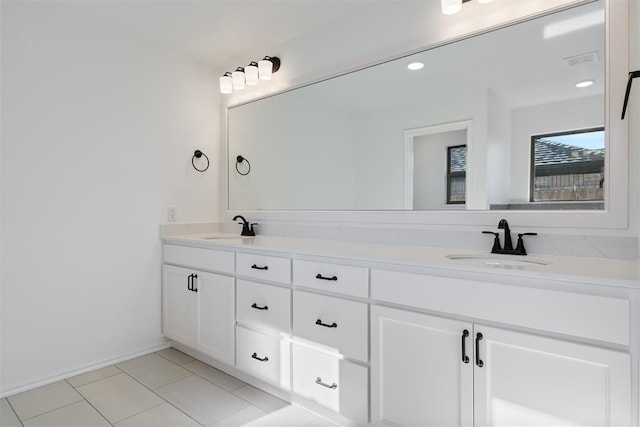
[(409, 136), (99, 365), (614, 217)]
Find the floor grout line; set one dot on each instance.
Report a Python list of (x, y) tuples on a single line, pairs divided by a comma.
[(91, 382), (91, 404), (14, 411)]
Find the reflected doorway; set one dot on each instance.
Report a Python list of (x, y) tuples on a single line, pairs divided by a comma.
[(436, 166)]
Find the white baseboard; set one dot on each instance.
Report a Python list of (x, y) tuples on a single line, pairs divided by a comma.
[(30, 386)]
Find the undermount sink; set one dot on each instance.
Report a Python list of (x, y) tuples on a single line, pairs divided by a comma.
[(225, 237), (492, 259)]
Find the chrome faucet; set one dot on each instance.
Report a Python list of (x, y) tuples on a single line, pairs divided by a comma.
[(247, 228), (507, 249)]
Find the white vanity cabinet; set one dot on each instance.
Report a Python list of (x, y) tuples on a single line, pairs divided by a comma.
[(263, 307), (433, 370), (384, 342), (198, 311)]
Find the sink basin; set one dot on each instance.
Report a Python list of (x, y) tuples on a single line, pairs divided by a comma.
[(491, 259), (225, 237)]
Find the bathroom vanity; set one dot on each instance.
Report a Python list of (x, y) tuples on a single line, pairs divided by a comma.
[(410, 335)]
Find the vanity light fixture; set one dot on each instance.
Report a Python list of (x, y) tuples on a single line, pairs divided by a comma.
[(249, 75), (585, 83), (226, 84), (450, 7), (415, 66), (238, 78)]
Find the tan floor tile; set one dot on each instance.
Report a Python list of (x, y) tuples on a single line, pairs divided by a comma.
[(43, 399), (153, 371), (214, 375), (261, 399), (119, 397), (175, 356), (164, 415), (89, 377), (79, 414), (203, 401), (8, 418), (242, 417)]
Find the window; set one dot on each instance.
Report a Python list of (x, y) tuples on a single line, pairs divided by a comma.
[(456, 174), (567, 166)]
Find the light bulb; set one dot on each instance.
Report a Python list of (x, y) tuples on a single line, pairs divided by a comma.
[(238, 78), (415, 66), (251, 73), (449, 7), (226, 84), (265, 69), (585, 83)]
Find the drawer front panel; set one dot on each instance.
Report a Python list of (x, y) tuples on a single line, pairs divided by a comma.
[(339, 324), (342, 279), (263, 306), (588, 316), (206, 259), (339, 385), (264, 267), (264, 356)]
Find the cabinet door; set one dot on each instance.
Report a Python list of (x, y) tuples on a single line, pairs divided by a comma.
[(178, 305), (215, 316), (531, 380), (418, 374)]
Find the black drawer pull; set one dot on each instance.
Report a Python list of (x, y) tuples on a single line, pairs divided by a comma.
[(190, 282), (194, 288), (257, 307), (465, 358), (479, 362), (326, 325), (332, 386), (321, 277), (255, 267), (255, 356)]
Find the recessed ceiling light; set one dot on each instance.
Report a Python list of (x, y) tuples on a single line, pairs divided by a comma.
[(585, 83), (415, 66)]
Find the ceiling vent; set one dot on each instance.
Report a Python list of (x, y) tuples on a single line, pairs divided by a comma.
[(584, 58)]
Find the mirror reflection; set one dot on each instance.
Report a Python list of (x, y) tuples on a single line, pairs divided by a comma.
[(510, 119)]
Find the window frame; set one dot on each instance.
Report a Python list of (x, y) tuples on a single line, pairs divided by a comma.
[(451, 174), (532, 160)]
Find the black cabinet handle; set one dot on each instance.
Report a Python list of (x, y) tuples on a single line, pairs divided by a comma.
[(321, 277), (255, 267), (632, 75), (193, 283), (326, 325), (255, 356), (465, 358), (190, 282), (332, 386), (479, 362), (257, 307)]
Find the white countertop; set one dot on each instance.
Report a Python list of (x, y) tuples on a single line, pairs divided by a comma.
[(609, 272)]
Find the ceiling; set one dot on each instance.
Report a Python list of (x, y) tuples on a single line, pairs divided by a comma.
[(219, 32)]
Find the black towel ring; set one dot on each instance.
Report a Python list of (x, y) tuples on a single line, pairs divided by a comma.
[(196, 155), (240, 160)]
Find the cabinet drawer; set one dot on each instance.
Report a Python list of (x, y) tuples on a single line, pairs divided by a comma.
[(264, 306), (264, 267), (267, 357), (339, 324), (206, 259), (581, 315), (340, 385), (343, 279)]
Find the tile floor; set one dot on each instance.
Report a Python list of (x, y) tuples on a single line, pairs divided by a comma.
[(167, 388)]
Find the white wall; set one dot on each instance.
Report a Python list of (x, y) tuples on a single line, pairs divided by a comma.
[(97, 138), (316, 146)]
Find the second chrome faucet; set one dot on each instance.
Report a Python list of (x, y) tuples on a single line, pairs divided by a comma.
[(508, 249)]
